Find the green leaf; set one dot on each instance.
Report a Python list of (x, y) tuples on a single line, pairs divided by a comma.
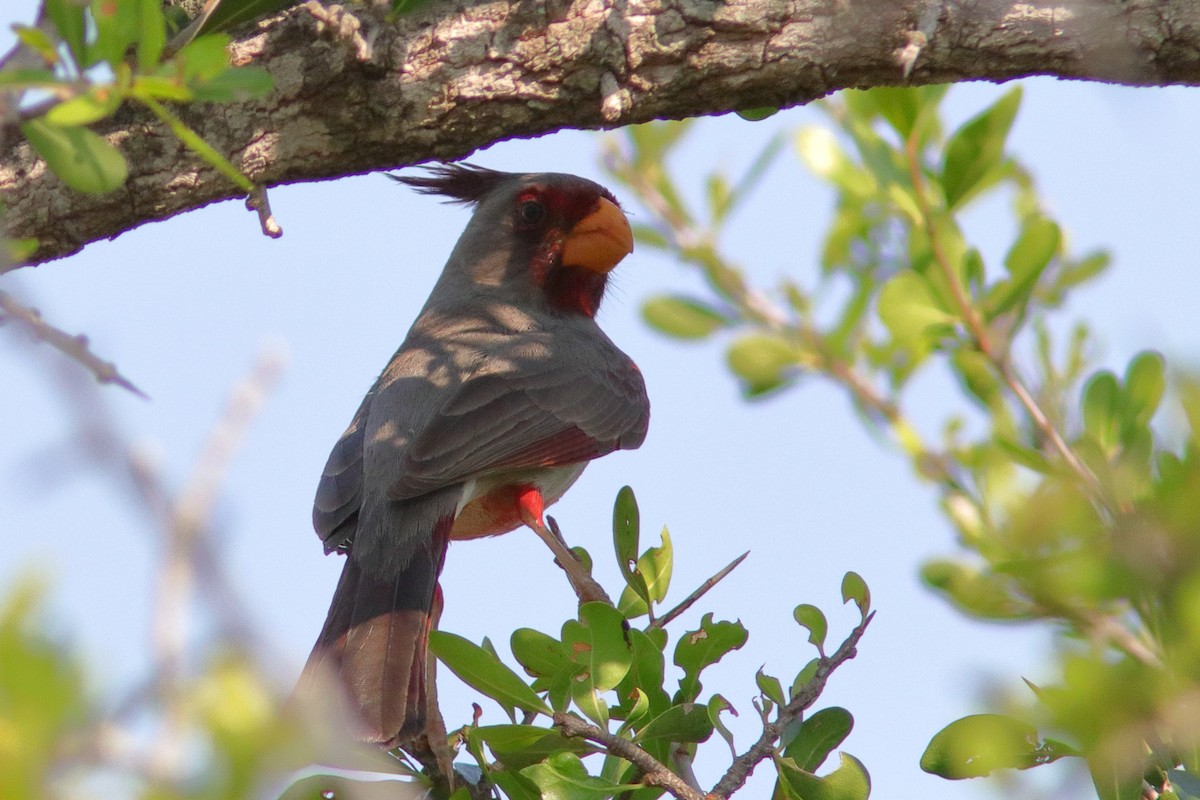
[(646, 672), (235, 84), (626, 535), (720, 197), (204, 58), (758, 114), (761, 361), (715, 706), (1035, 247), (518, 746), (849, 781), (805, 675), (703, 647), (979, 744), (770, 687), (232, 13), (1029, 256), (152, 36), (654, 568), (515, 785), (117, 28), (1112, 784), (650, 237), (653, 140), (589, 701), (197, 145), (68, 20), (540, 654), (564, 777), (159, 87), (977, 375), (626, 529), (1102, 404), (82, 159), (599, 643), (42, 693), (855, 588), (38, 41), (1025, 456), (818, 736), (825, 158), (485, 673), (1145, 382), (682, 317), (979, 593), (28, 79), (686, 722), (902, 106), (908, 309), (84, 109), (977, 148), (811, 617)]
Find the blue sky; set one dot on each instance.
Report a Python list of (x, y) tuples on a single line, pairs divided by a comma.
[(183, 306)]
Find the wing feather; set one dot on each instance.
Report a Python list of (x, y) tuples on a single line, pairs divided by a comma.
[(527, 419)]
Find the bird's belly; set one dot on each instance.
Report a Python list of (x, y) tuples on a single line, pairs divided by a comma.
[(489, 506)]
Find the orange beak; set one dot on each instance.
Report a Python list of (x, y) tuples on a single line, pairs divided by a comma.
[(600, 240)]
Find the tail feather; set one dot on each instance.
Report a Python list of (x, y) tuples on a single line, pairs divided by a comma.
[(374, 644)]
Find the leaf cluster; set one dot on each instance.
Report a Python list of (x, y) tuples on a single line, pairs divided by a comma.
[(604, 686), (1070, 508)]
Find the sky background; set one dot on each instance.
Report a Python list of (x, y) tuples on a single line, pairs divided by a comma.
[(184, 307)]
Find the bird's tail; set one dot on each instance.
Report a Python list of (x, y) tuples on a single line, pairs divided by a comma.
[(373, 646)]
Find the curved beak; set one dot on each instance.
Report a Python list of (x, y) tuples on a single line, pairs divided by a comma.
[(600, 240)]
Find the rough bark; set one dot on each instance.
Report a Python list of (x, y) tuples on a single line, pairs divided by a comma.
[(354, 94)]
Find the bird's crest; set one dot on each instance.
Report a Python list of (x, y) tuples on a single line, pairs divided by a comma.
[(459, 183)]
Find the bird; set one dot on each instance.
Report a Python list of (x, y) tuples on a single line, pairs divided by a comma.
[(502, 391)]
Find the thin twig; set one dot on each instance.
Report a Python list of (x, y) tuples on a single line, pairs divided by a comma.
[(654, 772), (690, 600), (257, 201), (735, 777), (75, 347), (189, 524), (584, 585), (979, 332)]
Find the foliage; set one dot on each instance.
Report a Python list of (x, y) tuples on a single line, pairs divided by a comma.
[(92, 58), (602, 683), (1072, 510)]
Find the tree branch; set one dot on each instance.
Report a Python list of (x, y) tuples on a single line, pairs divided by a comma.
[(454, 77), (735, 777), (653, 772)]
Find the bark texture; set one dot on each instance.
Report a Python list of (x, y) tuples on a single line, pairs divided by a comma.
[(355, 94)]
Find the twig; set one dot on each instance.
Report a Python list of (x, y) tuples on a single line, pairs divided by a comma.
[(75, 347), (257, 201), (735, 777), (654, 772), (690, 600), (979, 332), (188, 524), (584, 585)]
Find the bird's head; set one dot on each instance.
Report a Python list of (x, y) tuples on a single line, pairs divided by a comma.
[(555, 234)]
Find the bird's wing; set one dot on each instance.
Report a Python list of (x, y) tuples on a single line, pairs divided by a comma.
[(544, 415), (339, 492)]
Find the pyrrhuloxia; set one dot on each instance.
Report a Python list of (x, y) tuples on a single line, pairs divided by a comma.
[(501, 393)]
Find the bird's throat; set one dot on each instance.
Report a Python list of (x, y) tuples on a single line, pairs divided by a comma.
[(575, 290)]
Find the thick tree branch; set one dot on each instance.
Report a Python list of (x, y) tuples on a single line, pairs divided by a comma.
[(352, 98)]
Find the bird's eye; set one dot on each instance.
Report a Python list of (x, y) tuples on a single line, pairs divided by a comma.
[(531, 212)]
